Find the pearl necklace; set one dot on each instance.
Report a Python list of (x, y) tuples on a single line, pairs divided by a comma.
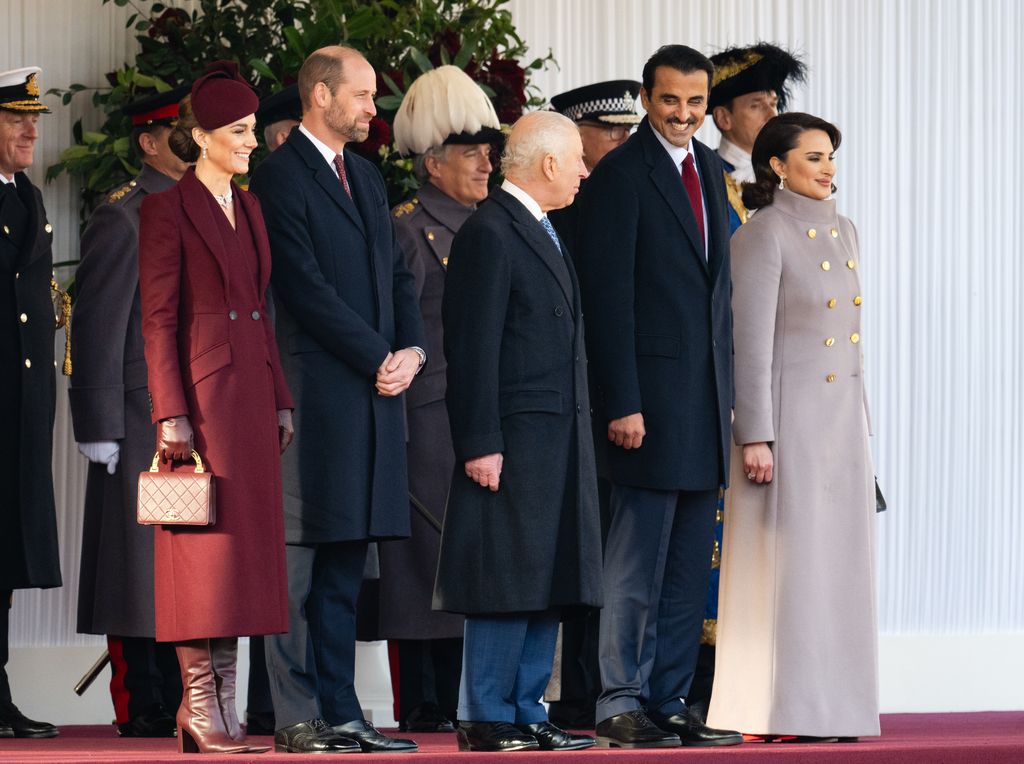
[(224, 200)]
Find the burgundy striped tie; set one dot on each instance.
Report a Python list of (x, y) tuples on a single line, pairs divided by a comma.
[(692, 183)]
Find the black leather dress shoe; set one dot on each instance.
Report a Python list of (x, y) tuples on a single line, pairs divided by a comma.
[(153, 722), (551, 738), (21, 725), (633, 729), (371, 741), (426, 717), (494, 736), (313, 736), (693, 732), (6, 731)]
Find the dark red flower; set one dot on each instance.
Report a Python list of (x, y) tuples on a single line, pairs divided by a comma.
[(508, 81), (380, 135), (172, 17)]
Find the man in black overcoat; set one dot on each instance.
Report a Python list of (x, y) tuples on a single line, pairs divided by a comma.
[(111, 416), (522, 540), (350, 333), (656, 289), (28, 526)]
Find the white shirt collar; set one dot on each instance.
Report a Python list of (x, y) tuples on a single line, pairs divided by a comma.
[(738, 158), (523, 197), (5, 179), (677, 153), (326, 151)]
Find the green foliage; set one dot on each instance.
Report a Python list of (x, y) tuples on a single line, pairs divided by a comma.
[(270, 39)]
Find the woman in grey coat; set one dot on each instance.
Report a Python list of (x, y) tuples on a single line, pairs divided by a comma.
[(797, 629)]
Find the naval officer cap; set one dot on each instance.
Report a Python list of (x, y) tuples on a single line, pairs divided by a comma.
[(19, 91), (612, 102), (754, 69)]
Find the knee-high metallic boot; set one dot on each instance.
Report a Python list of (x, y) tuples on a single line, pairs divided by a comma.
[(225, 668), (200, 724)]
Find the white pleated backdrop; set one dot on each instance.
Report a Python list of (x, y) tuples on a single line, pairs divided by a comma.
[(928, 96)]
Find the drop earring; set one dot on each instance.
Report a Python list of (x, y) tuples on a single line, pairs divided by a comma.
[(204, 157), (782, 181)]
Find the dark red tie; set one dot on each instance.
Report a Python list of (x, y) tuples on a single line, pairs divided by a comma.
[(692, 183), (339, 163)]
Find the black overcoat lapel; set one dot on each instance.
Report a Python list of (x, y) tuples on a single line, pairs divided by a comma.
[(537, 238)]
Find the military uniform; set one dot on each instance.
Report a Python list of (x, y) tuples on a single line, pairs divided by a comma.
[(110, 402), (426, 226), (28, 528)]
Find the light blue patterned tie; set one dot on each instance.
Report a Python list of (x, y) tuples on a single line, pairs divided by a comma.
[(551, 232)]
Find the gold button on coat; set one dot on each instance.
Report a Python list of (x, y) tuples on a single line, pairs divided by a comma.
[(857, 300), (430, 236), (48, 228), (855, 338), (24, 318), (832, 302), (850, 264), (835, 233), (830, 342), (830, 378), (7, 230), (826, 265), (28, 363), (811, 233)]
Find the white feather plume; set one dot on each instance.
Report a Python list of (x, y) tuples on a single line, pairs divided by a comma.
[(440, 103)]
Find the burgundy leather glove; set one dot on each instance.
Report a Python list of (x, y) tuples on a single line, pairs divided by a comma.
[(174, 439), (285, 430)]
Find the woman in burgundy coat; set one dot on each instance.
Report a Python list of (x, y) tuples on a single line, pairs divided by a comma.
[(216, 385)]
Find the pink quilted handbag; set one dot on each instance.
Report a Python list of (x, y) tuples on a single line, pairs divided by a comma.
[(176, 498)]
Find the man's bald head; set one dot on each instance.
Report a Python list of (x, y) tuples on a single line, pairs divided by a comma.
[(326, 65)]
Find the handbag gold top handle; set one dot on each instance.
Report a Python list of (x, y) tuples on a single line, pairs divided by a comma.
[(195, 456)]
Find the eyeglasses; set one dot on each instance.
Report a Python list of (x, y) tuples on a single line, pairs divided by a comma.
[(613, 132)]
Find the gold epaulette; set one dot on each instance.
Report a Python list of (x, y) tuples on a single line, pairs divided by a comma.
[(406, 208), (709, 633), (735, 194), (113, 196)]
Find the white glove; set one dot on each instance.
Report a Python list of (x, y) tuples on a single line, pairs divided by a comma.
[(102, 452)]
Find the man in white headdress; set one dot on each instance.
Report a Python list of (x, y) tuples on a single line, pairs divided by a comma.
[(449, 125)]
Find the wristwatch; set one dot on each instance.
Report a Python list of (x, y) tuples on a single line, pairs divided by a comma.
[(423, 357)]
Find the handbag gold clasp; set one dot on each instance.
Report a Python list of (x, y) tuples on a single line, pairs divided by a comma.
[(195, 456)]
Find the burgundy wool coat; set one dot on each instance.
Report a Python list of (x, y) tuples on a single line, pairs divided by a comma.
[(211, 354)]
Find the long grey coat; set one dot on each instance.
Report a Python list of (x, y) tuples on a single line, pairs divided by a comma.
[(110, 402), (797, 630), (513, 337), (426, 227)]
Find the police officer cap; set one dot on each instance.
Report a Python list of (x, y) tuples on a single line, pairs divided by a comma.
[(612, 102)]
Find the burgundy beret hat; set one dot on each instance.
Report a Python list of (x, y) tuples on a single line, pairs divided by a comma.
[(222, 96)]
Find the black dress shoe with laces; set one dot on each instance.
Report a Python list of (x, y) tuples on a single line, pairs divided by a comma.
[(6, 731), (552, 738), (153, 722), (426, 717), (494, 736), (21, 725), (633, 729), (313, 736), (371, 741), (693, 732)]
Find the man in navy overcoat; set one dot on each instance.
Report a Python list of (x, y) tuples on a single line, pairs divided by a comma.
[(654, 270), (350, 334)]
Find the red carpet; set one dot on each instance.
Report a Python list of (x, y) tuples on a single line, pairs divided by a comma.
[(989, 738)]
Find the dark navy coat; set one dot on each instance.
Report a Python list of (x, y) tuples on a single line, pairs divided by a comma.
[(659, 323)]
